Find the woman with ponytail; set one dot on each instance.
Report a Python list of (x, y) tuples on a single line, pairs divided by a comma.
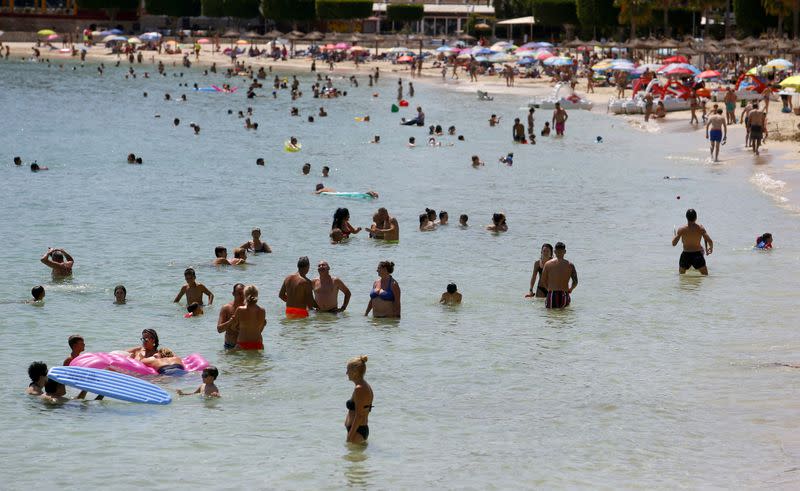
[(250, 320), (360, 403)]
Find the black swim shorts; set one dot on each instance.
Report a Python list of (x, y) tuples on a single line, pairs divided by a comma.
[(694, 260)]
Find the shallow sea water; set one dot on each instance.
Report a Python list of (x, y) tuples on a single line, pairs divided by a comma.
[(649, 380)]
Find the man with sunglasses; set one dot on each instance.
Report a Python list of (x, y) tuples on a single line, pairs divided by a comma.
[(326, 290)]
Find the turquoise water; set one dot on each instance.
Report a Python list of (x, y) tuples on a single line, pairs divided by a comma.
[(647, 380)]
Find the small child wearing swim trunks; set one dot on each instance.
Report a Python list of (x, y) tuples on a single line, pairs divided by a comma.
[(207, 388), (451, 296)]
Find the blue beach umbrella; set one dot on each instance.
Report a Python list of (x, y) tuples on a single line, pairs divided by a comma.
[(481, 59), (442, 49), (558, 61), (481, 51), (150, 36), (525, 61), (116, 31)]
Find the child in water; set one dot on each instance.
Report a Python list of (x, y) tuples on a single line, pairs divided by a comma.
[(451, 296), (764, 241), (508, 159), (207, 388), (546, 129)]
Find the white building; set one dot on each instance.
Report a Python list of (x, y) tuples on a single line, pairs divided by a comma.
[(442, 17)]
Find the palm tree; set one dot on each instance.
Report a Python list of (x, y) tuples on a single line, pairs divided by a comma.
[(780, 9), (705, 7), (634, 12), (666, 5)]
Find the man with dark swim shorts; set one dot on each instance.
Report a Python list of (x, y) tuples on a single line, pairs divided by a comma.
[(556, 276), (758, 121), (165, 362), (692, 255)]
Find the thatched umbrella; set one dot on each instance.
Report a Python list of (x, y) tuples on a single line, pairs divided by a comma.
[(466, 37), (575, 43), (687, 51), (231, 34), (731, 42), (376, 38), (292, 37), (355, 38), (274, 34), (418, 37), (668, 43), (314, 36)]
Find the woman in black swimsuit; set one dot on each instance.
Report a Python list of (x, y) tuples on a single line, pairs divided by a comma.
[(547, 254), (256, 245), (360, 403)]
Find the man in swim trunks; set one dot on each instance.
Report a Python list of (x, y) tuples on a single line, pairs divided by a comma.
[(221, 258), (717, 124), (59, 261), (518, 131), (384, 226), (559, 119), (225, 322), (556, 276), (730, 106), (256, 245), (690, 234), (326, 290), (165, 362), (758, 121), (296, 291)]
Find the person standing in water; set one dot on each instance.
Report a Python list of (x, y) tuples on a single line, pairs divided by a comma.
[(225, 322), (690, 234), (360, 403), (296, 291), (326, 290), (256, 245), (384, 299), (560, 117), (59, 261), (250, 320), (556, 276), (546, 254), (715, 134)]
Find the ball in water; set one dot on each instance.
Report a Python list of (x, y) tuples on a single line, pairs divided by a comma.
[(678, 197)]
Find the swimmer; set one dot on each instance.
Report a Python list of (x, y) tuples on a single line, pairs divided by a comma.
[(225, 322), (476, 161), (296, 291), (320, 188), (341, 220), (336, 236), (494, 120), (384, 226), (560, 117), (221, 256), (256, 245), (120, 295), (77, 345), (131, 158), (249, 321), (518, 131), (326, 290), (54, 393), (546, 129), (376, 139), (306, 168), (325, 171), (260, 161), (322, 112), (149, 345), (207, 388), (462, 220), (194, 291), (556, 276), (384, 299), (37, 292), (508, 159), (498, 223), (59, 261), (165, 362), (37, 371), (193, 310), (545, 255), (764, 241), (691, 234), (717, 133), (239, 256), (139, 160), (451, 296), (451, 131), (433, 143), (426, 225), (443, 217), (599, 139), (17, 161), (360, 403), (35, 167), (412, 142)]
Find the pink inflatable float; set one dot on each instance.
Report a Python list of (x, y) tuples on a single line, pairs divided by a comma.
[(120, 361)]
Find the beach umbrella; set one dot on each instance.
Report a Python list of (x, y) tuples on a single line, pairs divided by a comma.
[(525, 61), (46, 32), (200, 41), (602, 65), (673, 66), (481, 59), (483, 27), (442, 49), (115, 31), (150, 36), (342, 46), (502, 46), (405, 59), (524, 53), (134, 40), (544, 55), (558, 61), (478, 50), (676, 59), (274, 34), (709, 74), (114, 38), (679, 71), (399, 49), (793, 82), (622, 67), (500, 58), (780, 63), (653, 67), (241, 42), (464, 56), (52, 37)]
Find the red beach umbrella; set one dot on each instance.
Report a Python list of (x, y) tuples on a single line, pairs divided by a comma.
[(709, 74), (676, 59)]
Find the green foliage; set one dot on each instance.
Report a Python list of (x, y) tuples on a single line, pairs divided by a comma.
[(288, 10), (343, 9), (555, 12), (174, 8), (109, 4), (212, 8), (751, 19), (405, 12), (509, 9), (596, 16), (241, 9)]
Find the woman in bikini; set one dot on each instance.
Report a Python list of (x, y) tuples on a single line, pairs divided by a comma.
[(546, 255), (384, 299), (250, 320), (360, 403), (341, 220), (256, 245)]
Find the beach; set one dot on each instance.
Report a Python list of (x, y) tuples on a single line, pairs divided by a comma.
[(647, 380)]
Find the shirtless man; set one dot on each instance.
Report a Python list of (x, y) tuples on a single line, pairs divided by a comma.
[(690, 234), (165, 362), (326, 290), (225, 322), (149, 345), (717, 124), (194, 291), (385, 226), (296, 291), (758, 122), (559, 119), (59, 261), (250, 320), (518, 131), (730, 106), (221, 259), (556, 276), (256, 245)]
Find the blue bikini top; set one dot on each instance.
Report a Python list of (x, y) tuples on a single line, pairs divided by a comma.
[(387, 294)]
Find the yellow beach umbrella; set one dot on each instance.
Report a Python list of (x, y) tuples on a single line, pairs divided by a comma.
[(242, 42), (46, 32), (134, 40), (793, 81)]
